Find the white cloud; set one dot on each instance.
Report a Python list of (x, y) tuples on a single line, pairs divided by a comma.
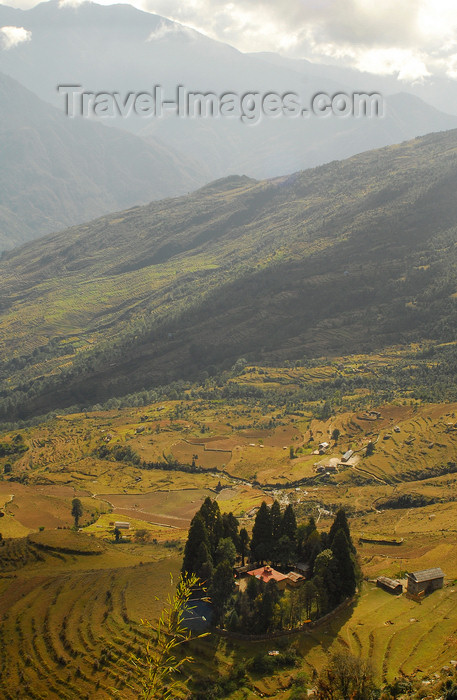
[(386, 37), (411, 39), (12, 36), (403, 62)]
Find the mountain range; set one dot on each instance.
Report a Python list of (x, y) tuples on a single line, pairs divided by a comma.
[(346, 257), (61, 171)]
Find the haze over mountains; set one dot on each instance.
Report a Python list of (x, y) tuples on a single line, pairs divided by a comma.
[(119, 48), (348, 257), (56, 172)]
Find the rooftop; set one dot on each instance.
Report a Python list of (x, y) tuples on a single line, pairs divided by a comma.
[(389, 582), (266, 573), (427, 574), (293, 576)]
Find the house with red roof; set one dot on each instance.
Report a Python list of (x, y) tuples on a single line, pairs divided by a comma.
[(266, 574)]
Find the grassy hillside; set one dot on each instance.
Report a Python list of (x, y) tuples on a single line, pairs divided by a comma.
[(355, 255)]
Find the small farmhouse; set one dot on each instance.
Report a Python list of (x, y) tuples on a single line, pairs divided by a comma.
[(122, 525), (390, 585), (347, 456), (426, 581)]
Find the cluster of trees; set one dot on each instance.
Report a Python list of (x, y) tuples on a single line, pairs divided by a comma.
[(332, 577), (120, 453), (15, 448), (274, 535), (278, 539), (211, 550), (214, 543)]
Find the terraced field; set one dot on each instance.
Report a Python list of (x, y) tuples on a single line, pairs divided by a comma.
[(69, 628), (398, 635)]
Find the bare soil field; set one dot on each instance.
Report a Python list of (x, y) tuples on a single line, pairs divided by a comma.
[(207, 456), (167, 507)]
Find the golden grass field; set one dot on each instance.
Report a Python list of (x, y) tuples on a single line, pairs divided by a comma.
[(74, 617)]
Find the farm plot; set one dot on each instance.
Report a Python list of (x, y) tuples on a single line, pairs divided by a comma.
[(140, 531), (206, 455), (175, 508), (240, 500), (34, 510)]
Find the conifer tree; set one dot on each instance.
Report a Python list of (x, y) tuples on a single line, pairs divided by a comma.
[(340, 523), (76, 510), (346, 565), (289, 524), (230, 528), (288, 536), (276, 522), (243, 544), (261, 541), (211, 515), (221, 589), (197, 543)]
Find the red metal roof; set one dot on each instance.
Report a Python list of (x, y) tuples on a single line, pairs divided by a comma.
[(266, 573)]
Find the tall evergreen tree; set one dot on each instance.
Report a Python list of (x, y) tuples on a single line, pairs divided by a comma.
[(211, 515), (221, 589), (230, 528), (198, 536), (76, 510), (244, 542), (226, 551), (203, 563), (313, 547), (310, 526), (276, 521), (327, 574), (289, 524), (288, 536), (340, 523), (346, 565), (261, 534)]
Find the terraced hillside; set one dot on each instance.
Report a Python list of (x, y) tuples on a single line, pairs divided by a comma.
[(70, 603), (71, 621), (350, 256)]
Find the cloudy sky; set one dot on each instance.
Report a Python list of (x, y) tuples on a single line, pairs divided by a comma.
[(413, 39)]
